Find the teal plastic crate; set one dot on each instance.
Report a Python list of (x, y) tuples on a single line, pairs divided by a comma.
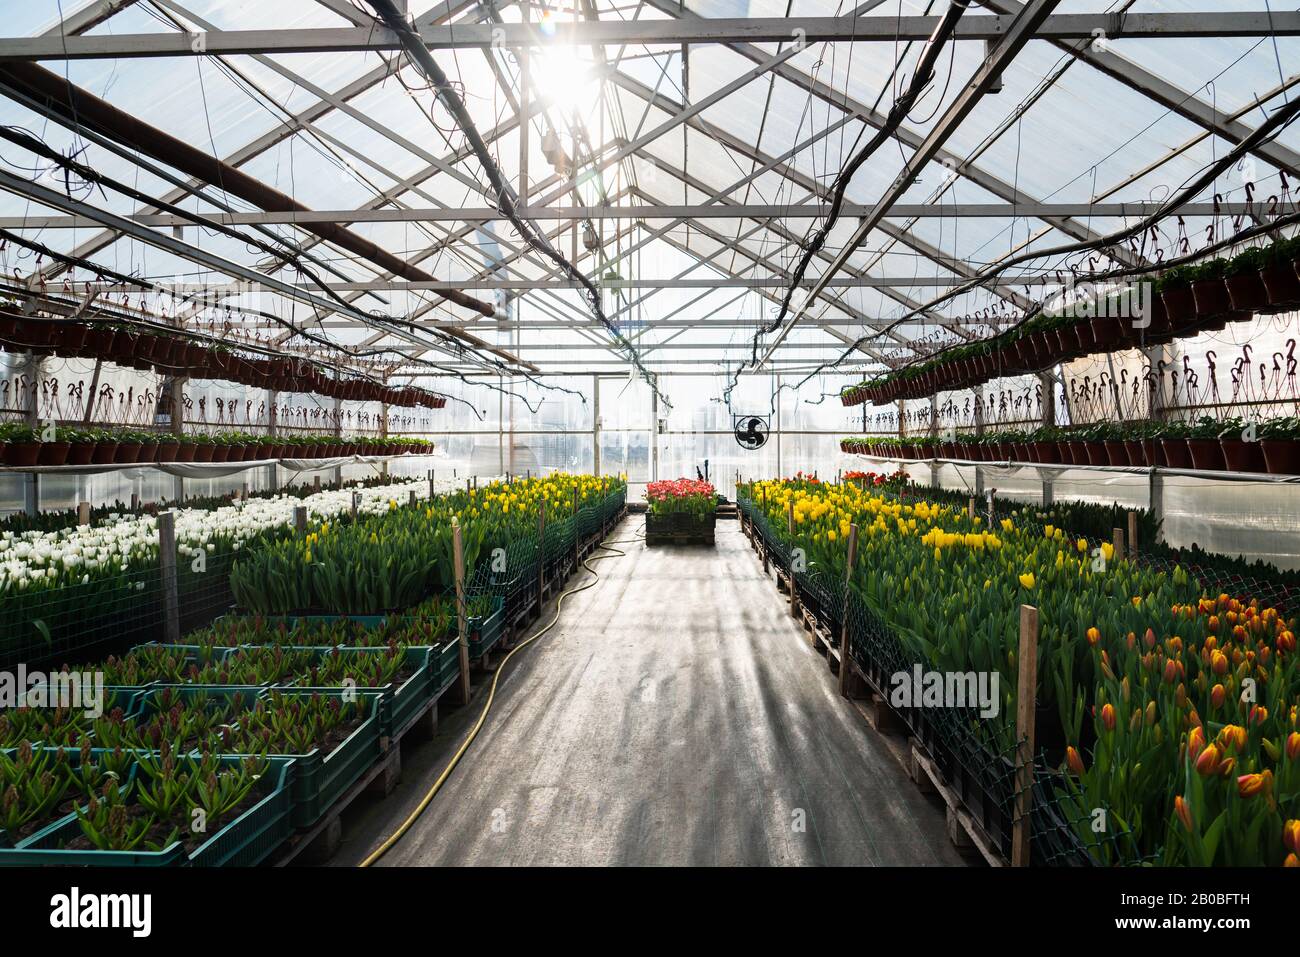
[(402, 703), (245, 842), (446, 663), (486, 630), (318, 780)]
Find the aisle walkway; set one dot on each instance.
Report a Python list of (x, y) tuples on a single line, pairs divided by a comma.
[(675, 716)]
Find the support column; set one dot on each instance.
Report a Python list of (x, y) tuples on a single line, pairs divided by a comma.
[(595, 425), (654, 433), (1155, 481), (338, 431), (33, 369), (979, 430), (272, 424), (1048, 386)]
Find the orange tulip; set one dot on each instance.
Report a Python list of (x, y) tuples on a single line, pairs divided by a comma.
[(1195, 741), (1183, 811), (1234, 736), (1108, 716), (1291, 861), (1207, 765), (1094, 636), (1219, 662), (1291, 835), (1293, 746), (1218, 694), (1075, 763), (1258, 714), (1248, 785), (1171, 671)]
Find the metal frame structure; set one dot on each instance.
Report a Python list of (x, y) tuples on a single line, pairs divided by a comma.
[(727, 240)]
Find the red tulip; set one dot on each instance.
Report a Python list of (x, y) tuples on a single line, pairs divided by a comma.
[(1248, 785)]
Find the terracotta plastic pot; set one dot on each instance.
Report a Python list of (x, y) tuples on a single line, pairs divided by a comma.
[(1283, 286), (81, 453), (167, 451), (1116, 452), (1242, 456), (1096, 452), (69, 340), (1137, 453), (203, 453), (1246, 291), (105, 453), (220, 453), (1282, 456), (185, 452), (127, 452), (1211, 298), (54, 453), (148, 452), (1083, 330), (1107, 332), (1177, 455), (21, 454), (1180, 307), (1207, 454)]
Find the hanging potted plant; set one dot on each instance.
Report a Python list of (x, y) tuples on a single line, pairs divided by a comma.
[(203, 447), (1175, 290), (82, 449), (21, 445), (1280, 439), (69, 339), (1246, 289), (105, 452), (1280, 276), (1210, 294), (186, 447), (1111, 435), (1204, 445), (168, 448), (148, 447), (128, 448), (1239, 454)]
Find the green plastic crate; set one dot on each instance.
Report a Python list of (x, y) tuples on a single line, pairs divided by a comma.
[(244, 842), (486, 630), (318, 780), (402, 703), (446, 664)]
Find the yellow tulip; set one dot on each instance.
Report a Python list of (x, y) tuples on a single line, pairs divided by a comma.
[(1027, 579)]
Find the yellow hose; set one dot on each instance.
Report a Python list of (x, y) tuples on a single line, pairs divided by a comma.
[(397, 835)]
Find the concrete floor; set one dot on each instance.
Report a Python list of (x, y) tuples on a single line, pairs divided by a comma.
[(675, 716)]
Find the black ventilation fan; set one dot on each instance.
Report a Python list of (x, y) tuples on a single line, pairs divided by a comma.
[(751, 431)]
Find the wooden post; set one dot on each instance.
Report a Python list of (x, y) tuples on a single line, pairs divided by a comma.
[(1117, 539), (430, 485), (411, 498), (135, 501), (300, 519), (315, 483), (846, 666), (970, 508), (83, 513), (541, 552), (467, 486), (167, 568), (1132, 533), (356, 505), (1026, 684), (462, 623)]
